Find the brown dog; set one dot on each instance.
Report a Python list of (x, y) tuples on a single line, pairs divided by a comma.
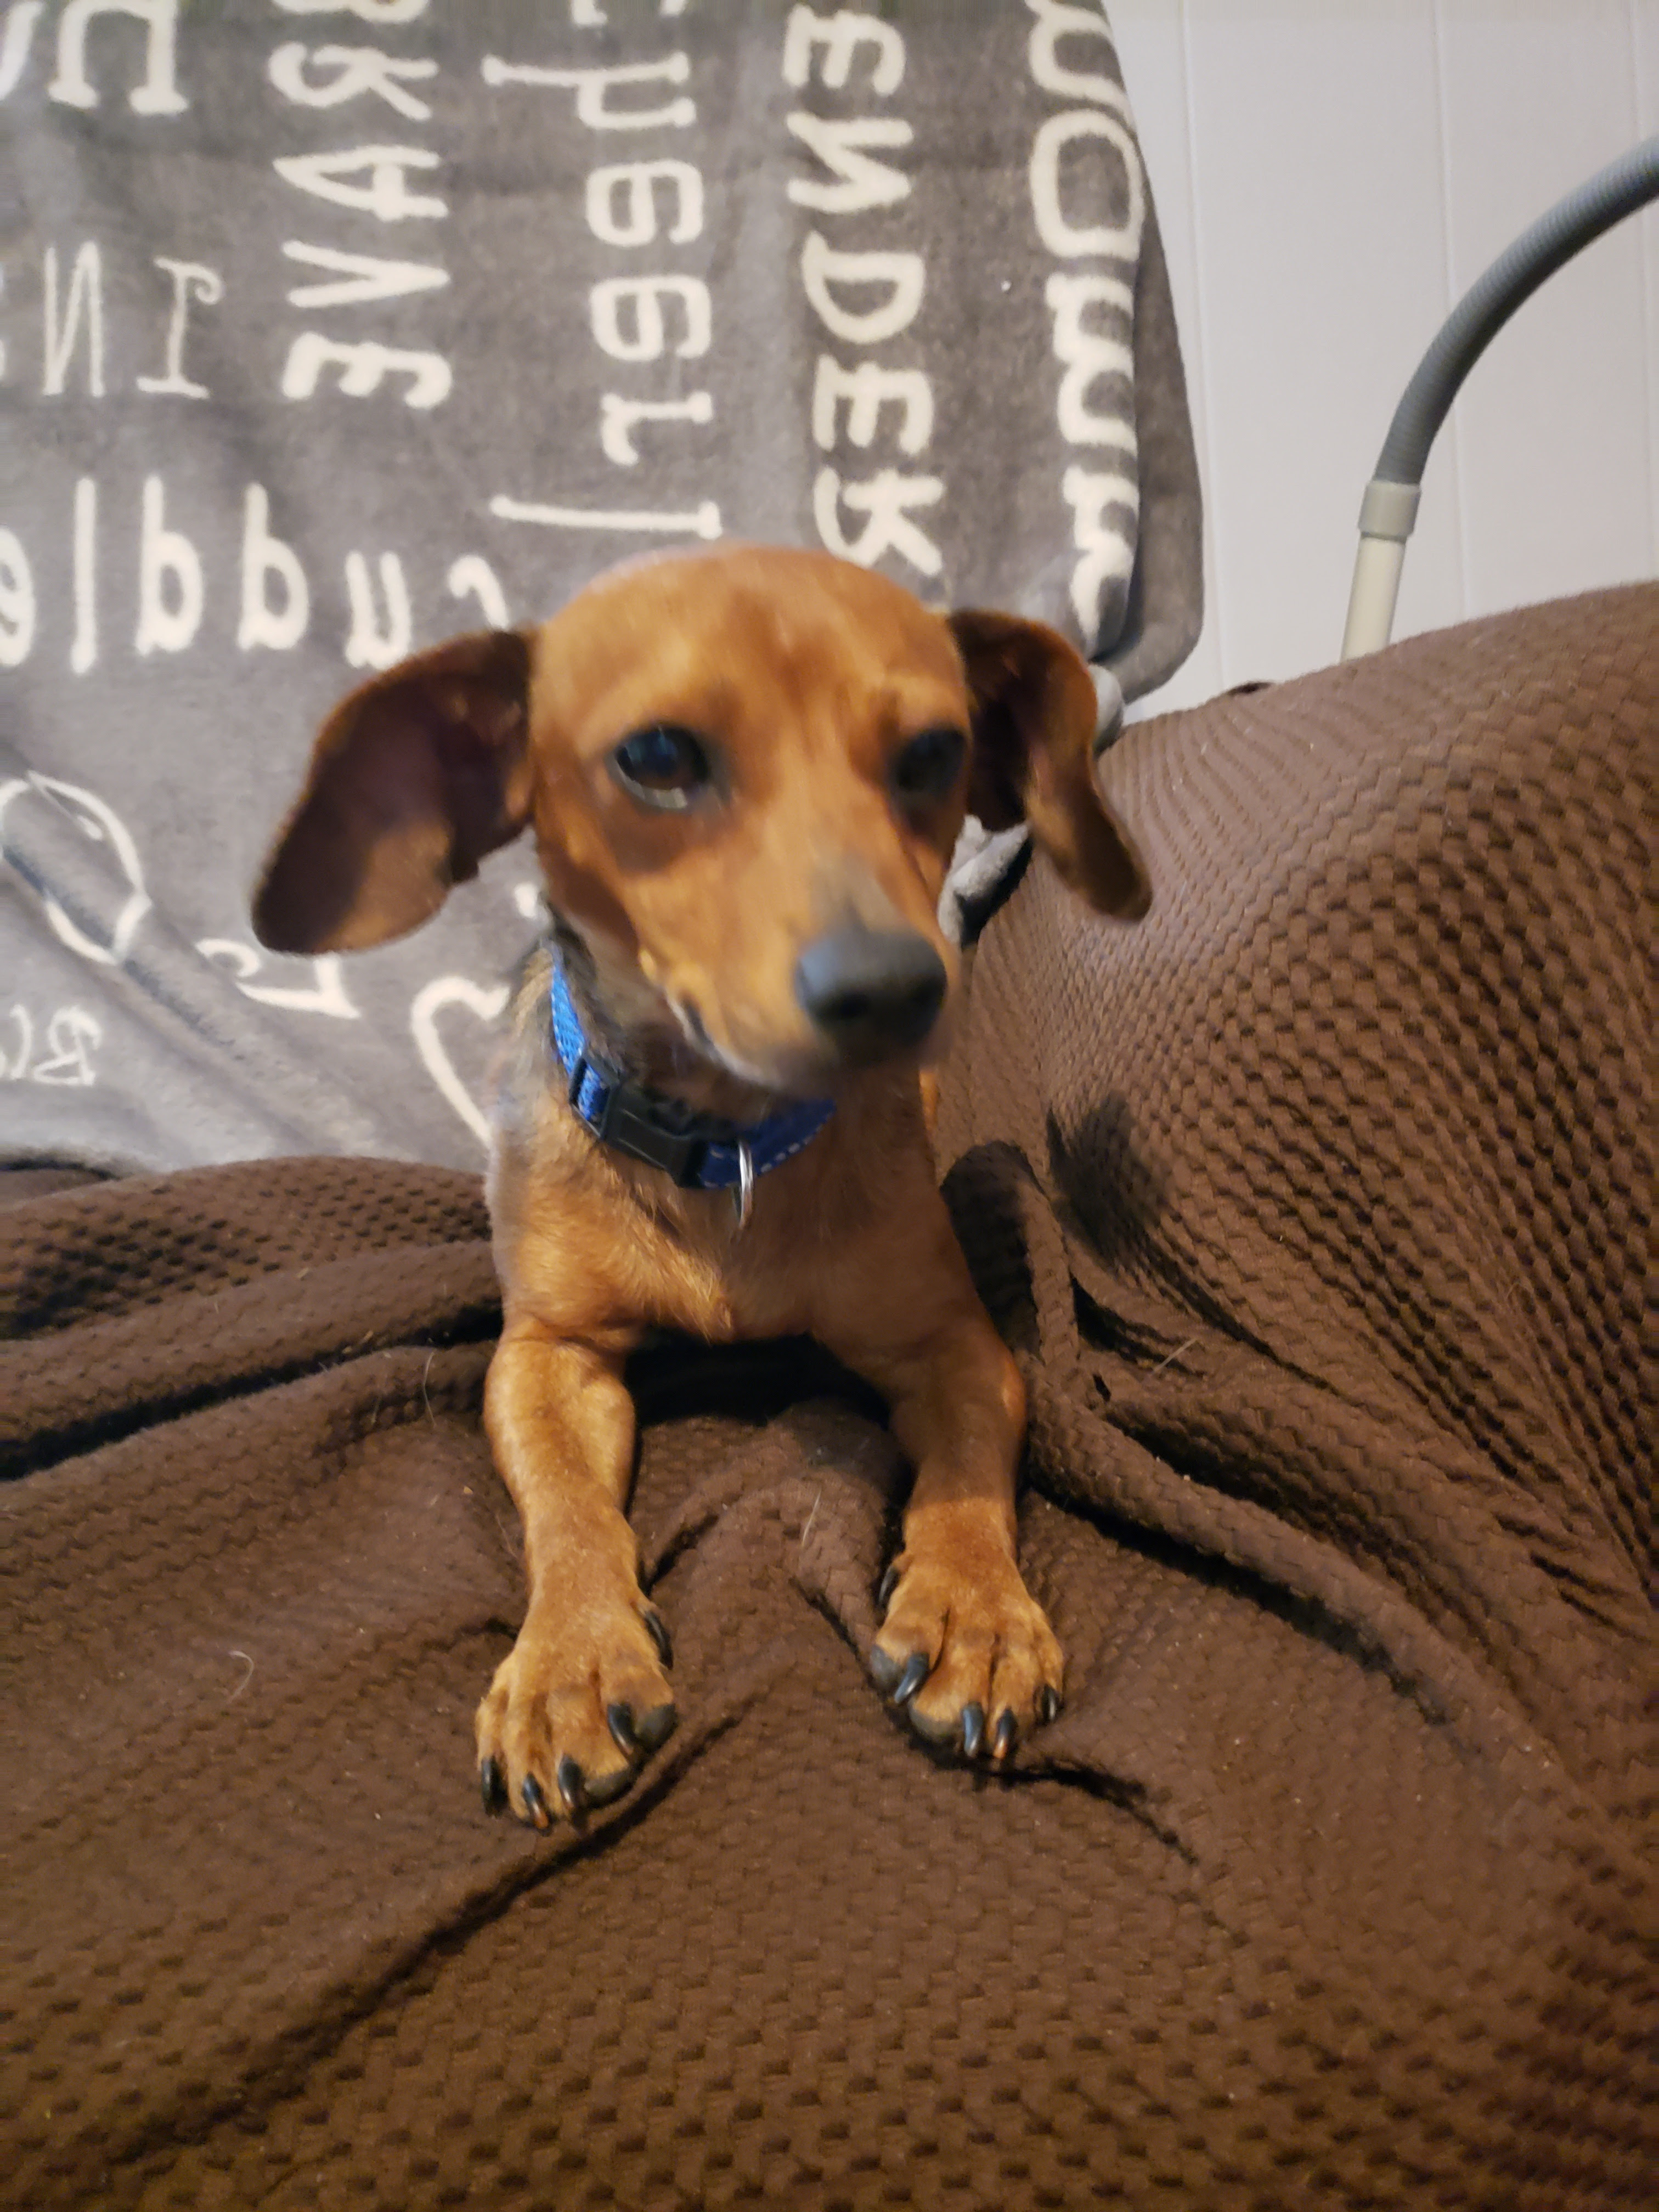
[(747, 771)]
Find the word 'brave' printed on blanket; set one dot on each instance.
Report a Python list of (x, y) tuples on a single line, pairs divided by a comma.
[(273, 590)]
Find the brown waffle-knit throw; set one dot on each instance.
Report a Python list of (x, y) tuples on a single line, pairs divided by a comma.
[(1314, 1206)]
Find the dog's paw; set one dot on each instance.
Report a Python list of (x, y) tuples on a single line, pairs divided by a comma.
[(966, 1651), (576, 1707)]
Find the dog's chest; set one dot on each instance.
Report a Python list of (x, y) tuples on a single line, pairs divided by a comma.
[(593, 1258), (728, 1279)]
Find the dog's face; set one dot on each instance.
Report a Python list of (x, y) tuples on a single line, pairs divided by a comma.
[(748, 778), (746, 771)]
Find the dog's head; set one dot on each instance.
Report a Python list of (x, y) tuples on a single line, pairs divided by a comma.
[(745, 770)]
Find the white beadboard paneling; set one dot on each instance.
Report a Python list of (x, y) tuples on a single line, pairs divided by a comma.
[(1322, 258), (1644, 49), (1331, 175), (1553, 434), (1152, 46)]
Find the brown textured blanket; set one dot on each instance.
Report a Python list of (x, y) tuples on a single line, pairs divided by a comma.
[(1315, 1206)]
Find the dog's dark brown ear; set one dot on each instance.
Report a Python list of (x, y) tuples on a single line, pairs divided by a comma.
[(1033, 756), (413, 778)]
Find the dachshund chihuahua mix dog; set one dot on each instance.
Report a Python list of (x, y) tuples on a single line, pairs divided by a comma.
[(745, 770)]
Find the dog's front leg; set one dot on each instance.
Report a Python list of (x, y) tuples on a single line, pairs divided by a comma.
[(963, 1645), (582, 1697)]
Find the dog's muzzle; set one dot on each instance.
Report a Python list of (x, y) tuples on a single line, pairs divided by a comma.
[(871, 994)]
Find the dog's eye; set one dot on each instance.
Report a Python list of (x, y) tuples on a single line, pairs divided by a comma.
[(926, 767), (662, 765)]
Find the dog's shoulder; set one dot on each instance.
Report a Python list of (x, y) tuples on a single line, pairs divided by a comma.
[(531, 1128), (526, 1053)]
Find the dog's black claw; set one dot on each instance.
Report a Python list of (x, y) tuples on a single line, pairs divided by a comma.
[(1006, 1735), (572, 1794), (883, 1670), (534, 1803), (619, 1719), (653, 1729), (917, 1668), (973, 1730), (601, 1789), (1047, 1702), (492, 1786), (657, 1629), (888, 1584)]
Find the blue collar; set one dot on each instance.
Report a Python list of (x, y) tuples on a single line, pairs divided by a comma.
[(694, 1151)]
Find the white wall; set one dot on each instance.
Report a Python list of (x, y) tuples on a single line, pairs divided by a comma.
[(1331, 175)]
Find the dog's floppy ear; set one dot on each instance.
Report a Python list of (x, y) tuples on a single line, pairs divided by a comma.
[(413, 778), (1033, 756)]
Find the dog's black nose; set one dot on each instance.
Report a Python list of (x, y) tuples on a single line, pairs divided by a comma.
[(872, 992)]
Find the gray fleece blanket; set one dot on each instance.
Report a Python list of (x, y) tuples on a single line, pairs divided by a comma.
[(333, 327)]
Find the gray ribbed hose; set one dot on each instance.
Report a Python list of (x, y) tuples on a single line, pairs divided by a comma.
[(1389, 507)]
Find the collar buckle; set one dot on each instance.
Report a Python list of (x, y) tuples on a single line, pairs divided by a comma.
[(632, 1119)]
